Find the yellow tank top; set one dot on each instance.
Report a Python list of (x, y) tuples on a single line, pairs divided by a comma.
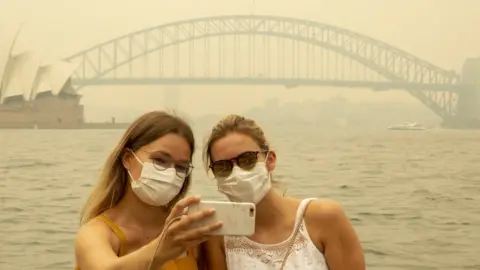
[(184, 263)]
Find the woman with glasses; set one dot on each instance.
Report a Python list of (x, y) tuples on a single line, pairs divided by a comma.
[(141, 191), (290, 233)]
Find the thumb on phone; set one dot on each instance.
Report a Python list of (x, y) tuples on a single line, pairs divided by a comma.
[(179, 208)]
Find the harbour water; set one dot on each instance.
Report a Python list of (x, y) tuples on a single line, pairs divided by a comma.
[(413, 197)]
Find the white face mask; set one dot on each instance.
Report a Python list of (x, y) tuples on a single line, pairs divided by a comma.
[(246, 186), (156, 187)]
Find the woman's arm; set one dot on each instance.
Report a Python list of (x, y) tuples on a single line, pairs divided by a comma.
[(342, 247), (215, 254), (93, 251), (93, 248)]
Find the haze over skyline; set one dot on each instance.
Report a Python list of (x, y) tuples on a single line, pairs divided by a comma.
[(441, 32)]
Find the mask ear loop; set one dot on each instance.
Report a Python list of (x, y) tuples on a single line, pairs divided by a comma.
[(130, 174), (131, 177), (139, 161), (266, 161), (269, 173)]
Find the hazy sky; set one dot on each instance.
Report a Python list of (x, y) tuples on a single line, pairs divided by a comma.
[(443, 32)]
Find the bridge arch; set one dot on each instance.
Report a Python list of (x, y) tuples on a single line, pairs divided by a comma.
[(427, 82)]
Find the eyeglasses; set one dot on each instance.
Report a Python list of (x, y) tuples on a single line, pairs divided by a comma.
[(246, 161), (182, 170), (162, 162)]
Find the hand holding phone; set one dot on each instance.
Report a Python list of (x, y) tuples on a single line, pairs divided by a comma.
[(178, 236), (238, 219)]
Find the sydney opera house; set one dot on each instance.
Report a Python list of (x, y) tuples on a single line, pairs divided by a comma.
[(34, 95)]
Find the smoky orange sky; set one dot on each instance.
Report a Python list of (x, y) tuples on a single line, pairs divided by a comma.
[(443, 32)]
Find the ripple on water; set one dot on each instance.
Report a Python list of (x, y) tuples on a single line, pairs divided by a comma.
[(412, 197)]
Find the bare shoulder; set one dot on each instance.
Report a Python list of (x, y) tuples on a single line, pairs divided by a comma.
[(326, 211), (335, 235), (94, 227), (325, 218), (94, 239)]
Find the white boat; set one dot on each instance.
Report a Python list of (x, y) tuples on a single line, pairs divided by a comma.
[(407, 126)]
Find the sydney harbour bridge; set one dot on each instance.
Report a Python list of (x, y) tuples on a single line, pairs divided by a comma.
[(271, 50)]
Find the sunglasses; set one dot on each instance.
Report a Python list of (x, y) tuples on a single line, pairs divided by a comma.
[(246, 161)]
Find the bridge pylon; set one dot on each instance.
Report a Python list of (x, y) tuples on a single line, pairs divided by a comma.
[(468, 106)]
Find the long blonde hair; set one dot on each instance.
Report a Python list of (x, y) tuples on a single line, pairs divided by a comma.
[(113, 179)]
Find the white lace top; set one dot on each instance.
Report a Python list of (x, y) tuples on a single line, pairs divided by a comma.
[(244, 254)]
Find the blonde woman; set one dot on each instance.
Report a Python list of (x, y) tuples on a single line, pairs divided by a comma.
[(290, 233), (139, 192)]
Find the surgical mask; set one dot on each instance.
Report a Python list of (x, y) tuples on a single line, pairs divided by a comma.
[(156, 187), (246, 186)]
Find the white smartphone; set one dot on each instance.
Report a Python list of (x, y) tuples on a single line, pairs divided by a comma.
[(238, 219)]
